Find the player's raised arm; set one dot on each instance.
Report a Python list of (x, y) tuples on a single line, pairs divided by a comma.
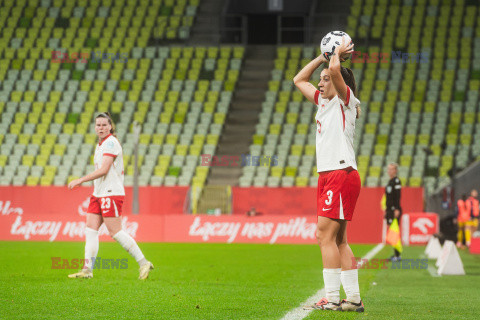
[(335, 68), (302, 79)]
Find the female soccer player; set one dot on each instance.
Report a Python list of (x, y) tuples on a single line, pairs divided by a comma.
[(107, 199), (338, 181)]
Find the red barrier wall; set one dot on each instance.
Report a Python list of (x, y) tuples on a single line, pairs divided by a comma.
[(60, 200), (366, 226), (303, 201), (56, 214), (276, 201)]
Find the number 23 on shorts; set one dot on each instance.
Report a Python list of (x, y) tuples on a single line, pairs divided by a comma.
[(106, 203)]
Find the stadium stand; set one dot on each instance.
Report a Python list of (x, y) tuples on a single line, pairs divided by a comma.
[(180, 94), (429, 126), (285, 128), (422, 114)]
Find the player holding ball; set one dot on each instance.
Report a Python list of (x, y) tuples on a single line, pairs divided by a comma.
[(107, 199), (338, 182)]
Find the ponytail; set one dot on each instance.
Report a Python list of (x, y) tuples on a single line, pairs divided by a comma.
[(349, 78)]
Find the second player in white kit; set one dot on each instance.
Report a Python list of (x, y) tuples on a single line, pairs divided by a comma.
[(108, 191), (112, 182), (107, 199)]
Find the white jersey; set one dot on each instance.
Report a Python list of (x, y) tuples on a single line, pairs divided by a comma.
[(335, 132), (112, 183)]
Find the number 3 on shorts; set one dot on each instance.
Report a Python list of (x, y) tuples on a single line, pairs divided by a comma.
[(105, 203), (330, 196)]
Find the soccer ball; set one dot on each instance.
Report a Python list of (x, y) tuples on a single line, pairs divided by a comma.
[(331, 41)]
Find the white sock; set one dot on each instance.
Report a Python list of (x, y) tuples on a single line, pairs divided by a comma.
[(350, 285), (129, 244), (91, 247), (331, 278)]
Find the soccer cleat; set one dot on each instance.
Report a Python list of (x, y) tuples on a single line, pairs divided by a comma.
[(84, 273), (145, 270), (324, 305), (346, 305)]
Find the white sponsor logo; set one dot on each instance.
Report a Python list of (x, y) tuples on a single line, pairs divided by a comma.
[(77, 229), (83, 208), (294, 228), (422, 224), (258, 230), (419, 238), (215, 229), (6, 209), (323, 209), (297, 227), (72, 229), (33, 228)]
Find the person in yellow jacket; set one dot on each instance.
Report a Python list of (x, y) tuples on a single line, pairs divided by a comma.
[(463, 217), (473, 208)]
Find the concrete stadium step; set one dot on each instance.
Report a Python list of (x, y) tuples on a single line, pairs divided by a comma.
[(244, 110), (206, 30), (213, 197), (223, 175), (328, 15)]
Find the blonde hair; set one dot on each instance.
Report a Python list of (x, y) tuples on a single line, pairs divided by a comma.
[(394, 164)]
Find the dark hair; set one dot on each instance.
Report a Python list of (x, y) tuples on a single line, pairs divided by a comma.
[(106, 115), (349, 78)]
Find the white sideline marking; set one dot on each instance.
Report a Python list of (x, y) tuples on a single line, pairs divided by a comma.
[(298, 313), (431, 268), (433, 271)]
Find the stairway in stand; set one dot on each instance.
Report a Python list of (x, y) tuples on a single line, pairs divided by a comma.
[(243, 115)]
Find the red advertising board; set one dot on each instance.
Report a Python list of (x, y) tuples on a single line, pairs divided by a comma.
[(229, 229), (72, 227), (288, 215), (175, 228), (417, 228), (475, 245)]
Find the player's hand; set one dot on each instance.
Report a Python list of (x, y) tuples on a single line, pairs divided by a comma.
[(322, 59), (397, 213), (344, 50), (75, 183)]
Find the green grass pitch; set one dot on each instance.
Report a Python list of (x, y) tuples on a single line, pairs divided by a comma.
[(219, 281)]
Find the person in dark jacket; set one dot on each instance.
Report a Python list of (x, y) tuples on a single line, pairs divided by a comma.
[(392, 193)]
